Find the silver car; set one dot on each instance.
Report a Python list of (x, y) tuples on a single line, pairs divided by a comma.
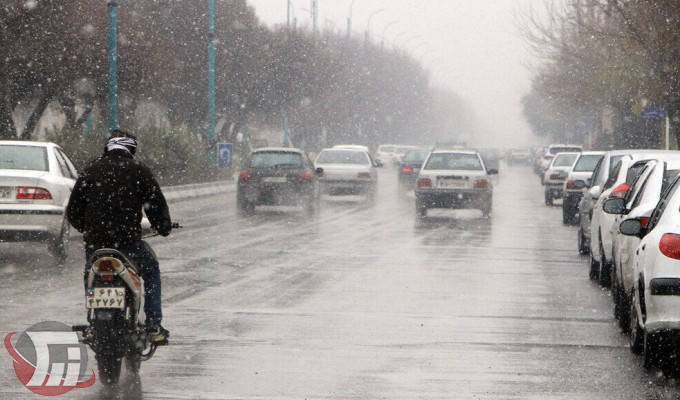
[(347, 171)]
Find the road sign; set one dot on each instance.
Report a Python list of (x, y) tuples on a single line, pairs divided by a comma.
[(224, 153), (653, 113)]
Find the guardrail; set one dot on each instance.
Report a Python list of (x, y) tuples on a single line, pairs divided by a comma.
[(182, 192)]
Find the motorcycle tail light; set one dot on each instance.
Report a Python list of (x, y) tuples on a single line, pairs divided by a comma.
[(106, 266), (669, 245)]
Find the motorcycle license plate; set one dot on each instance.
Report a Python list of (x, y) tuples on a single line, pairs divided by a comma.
[(110, 297)]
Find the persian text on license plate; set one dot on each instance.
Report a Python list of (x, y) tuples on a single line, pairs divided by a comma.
[(274, 179), (451, 183), (110, 297)]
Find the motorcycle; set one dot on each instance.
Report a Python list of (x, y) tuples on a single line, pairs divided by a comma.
[(115, 303)]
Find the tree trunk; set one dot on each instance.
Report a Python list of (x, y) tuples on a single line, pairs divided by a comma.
[(7, 129)]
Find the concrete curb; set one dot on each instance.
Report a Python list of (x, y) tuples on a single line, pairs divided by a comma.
[(182, 192)]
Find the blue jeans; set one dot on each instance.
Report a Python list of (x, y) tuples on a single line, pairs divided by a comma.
[(147, 265)]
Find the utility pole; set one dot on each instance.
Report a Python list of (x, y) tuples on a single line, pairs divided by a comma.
[(113, 65), (315, 14), (211, 72)]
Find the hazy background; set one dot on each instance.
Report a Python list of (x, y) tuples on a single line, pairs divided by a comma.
[(471, 47)]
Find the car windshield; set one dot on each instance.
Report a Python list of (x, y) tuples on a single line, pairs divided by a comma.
[(402, 150), (32, 158), (587, 163), (565, 160), (415, 155), (277, 159), (386, 149), (460, 161), (342, 157), (669, 176)]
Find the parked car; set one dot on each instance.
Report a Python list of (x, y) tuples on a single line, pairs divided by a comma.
[(556, 174), (410, 167), (454, 179), (278, 177), (550, 152), (655, 293), (348, 171), (655, 177), (385, 153), (576, 181), (617, 185), (519, 156), (36, 179)]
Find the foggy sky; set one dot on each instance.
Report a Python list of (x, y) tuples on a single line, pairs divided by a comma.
[(471, 47)]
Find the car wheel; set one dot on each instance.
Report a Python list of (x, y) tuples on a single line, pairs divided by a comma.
[(548, 198), (655, 350), (582, 245), (624, 309), (594, 268), (58, 246), (421, 211), (310, 206), (636, 332), (605, 272), (244, 207)]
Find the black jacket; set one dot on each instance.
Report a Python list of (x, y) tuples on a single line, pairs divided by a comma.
[(107, 201)]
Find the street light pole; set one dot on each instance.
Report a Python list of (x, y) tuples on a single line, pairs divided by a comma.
[(368, 24), (349, 20), (211, 71), (113, 65), (382, 41)]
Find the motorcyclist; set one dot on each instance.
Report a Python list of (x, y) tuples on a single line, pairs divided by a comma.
[(106, 206)]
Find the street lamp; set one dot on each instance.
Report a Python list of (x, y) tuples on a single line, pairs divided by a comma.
[(368, 24), (349, 20), (382, 41)]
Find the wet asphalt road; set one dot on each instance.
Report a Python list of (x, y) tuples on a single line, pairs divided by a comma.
[(359, 303)]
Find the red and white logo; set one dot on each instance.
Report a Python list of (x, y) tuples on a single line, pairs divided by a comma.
[(49, 360)]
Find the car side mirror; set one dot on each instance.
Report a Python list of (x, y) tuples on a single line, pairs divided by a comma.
[(594, 192), (318, 170), (614, 205), (378, 163), (578, 184), (493, 171), (632, 227)]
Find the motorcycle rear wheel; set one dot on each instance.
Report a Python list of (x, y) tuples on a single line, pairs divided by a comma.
[(109, 349)]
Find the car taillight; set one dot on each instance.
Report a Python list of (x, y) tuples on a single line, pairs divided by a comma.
[(406, 169), (364, 175), (643, 221), (620, 191), (244, 175), (33, 193), (481, 183), (570, 185), (424, 182), (305, 175), (669, 245)]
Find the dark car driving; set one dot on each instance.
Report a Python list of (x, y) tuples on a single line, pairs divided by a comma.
[(409, 168), (278, 177)]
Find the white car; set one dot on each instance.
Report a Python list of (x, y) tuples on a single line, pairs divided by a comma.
[(453, 179), (620, 180), (385, 153), (655, 300), (550, 152), (347, 171), (655, 177), (574, 186), (556, 174), (36, 180)]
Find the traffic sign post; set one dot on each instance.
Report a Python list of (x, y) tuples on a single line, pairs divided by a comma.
[(224, 154)]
